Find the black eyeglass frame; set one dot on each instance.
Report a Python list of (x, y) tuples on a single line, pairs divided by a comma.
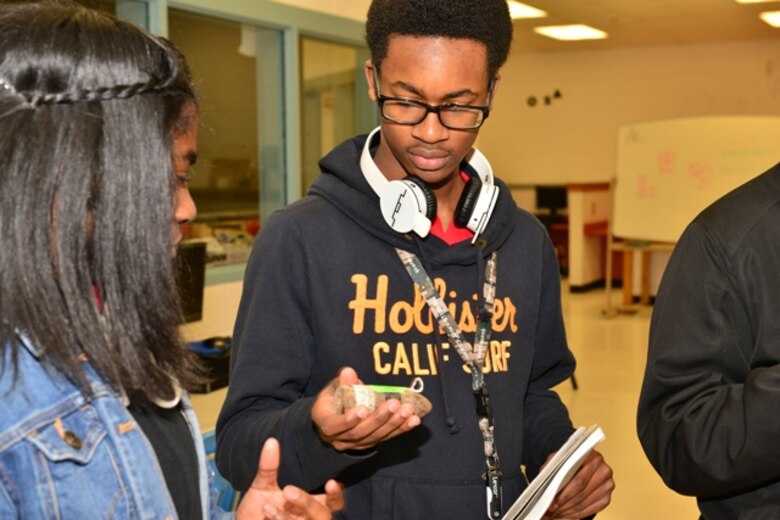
[(436, 109)]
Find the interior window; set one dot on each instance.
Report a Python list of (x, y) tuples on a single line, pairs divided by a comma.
[(335, 101), (225, 182)]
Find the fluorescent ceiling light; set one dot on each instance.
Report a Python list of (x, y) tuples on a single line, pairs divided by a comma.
[(771, 17), (571, 32), (518, 10), (754, 1)]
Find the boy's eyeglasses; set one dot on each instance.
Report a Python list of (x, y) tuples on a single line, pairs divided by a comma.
[(451, 115)]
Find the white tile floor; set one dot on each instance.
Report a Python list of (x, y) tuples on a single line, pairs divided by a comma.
[(611, 360), (611, 356)]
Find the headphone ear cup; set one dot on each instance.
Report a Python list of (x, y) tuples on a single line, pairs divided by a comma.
[(430, 197), (467, 201)]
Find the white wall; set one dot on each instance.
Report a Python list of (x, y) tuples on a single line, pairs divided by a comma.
[(574, 138), (353, 9), (586, 253)]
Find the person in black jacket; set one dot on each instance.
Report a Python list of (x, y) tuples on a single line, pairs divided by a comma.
[(327, 291), (708, 402)]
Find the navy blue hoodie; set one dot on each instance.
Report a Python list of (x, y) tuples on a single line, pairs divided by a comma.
[(324, 289)]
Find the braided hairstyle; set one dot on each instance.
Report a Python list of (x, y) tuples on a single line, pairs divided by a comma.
[(486, 21), (89, 105), (35, 98)]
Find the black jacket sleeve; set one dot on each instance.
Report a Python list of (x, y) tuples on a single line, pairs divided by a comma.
[(707, 415)]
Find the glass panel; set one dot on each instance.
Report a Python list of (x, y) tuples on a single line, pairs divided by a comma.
[(335, 103), (136, 11), (227, 59)]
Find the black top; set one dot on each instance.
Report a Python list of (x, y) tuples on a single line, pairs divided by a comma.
[(707, 415), (169, 434)]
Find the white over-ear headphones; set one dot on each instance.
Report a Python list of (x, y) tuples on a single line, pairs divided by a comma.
[(410, 205)]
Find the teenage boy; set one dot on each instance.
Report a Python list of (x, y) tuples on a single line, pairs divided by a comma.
[(328, 286)]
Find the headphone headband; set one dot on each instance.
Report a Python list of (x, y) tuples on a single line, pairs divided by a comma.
[(403, 202)]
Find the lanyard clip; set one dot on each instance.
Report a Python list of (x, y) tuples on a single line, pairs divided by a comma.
[(494, 495), (493, 466)]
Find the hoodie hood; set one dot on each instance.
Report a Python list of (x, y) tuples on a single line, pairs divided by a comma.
[(343, 184)]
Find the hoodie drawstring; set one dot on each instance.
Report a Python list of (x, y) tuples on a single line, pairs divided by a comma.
[(450, 420), (473, 354)]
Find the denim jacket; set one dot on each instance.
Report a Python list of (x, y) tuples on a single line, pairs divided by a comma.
[(63, 456)]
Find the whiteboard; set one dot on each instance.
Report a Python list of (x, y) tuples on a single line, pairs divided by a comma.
[(669, 171)]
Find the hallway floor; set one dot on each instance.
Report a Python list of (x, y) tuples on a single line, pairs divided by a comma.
[(611, 360)]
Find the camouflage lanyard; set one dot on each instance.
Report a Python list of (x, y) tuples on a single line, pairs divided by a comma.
[(473, 356)]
